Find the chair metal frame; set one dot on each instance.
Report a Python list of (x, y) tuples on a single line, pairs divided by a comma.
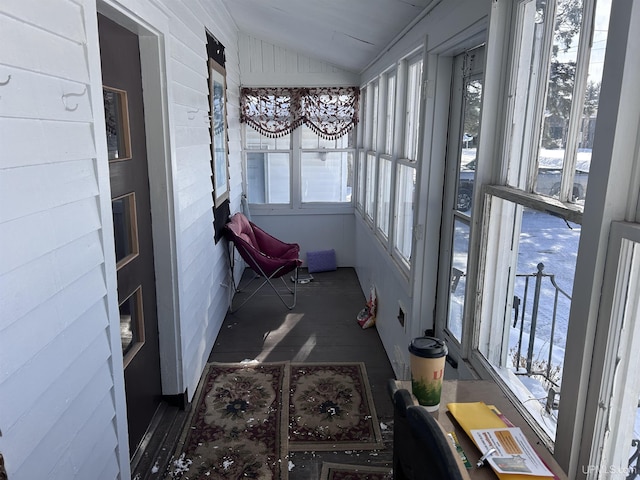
[(248, 255)]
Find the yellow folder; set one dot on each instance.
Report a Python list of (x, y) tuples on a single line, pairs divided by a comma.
[(478, 416)]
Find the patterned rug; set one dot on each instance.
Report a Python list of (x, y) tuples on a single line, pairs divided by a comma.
[(338, 471), (331, 408), (237, 427)]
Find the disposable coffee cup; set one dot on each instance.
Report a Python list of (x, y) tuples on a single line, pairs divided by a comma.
[(427, 358)]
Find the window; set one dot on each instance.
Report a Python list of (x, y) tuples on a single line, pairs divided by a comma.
[(300, 147), (412, 111), (384, 195), (389, 117), (387, 165), (406, 168), (369, 205), (362, 135), (361, 181), (559, 94), (375, 89), (327, 168), (406, 185), (530, 242), (460, 164)]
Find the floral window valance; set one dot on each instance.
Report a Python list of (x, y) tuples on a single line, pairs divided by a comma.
[(328, 111)]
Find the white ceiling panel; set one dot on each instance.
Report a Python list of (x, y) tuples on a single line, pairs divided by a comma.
[(346, 33)]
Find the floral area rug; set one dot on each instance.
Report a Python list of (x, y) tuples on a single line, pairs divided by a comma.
[(237, 427), (337, 471), (331, 408)]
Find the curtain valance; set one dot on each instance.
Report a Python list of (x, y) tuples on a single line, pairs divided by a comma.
[(328, 111)]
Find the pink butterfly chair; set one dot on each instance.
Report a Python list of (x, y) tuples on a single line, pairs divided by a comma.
[(267, 256)]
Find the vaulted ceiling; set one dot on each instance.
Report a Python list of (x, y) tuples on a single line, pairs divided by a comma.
[(346, 33)]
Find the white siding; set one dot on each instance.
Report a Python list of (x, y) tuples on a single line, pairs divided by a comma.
[(56, 386), (63, 412)]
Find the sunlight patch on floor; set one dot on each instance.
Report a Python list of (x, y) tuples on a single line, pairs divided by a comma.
[(273, 338), (306, 349)]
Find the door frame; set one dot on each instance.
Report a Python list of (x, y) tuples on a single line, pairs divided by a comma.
[(155, 75), (438, 87)]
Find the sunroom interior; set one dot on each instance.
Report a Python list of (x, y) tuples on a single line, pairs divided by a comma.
[(476, 163), (470, 164)]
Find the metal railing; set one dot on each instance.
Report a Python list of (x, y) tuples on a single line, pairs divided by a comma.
[(538, 277), (545, 369), (634, 470)]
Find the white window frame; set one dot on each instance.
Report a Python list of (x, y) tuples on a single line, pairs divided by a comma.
[(295, 184), (517, 184), (382, 140), (384, 198)]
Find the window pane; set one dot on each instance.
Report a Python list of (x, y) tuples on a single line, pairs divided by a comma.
[(268, 177), (384, 195), (132, 334), (412, 120), (361, 180), (117, 123), (468, 162), (458, 278), (562, 137), (371, 185), (125, 228), (327, 176), (374, 121), (528, 346), (560, 96), (312, 141), (406, 184), (389, 120), (256, 141), (592, 98), (364, 120)]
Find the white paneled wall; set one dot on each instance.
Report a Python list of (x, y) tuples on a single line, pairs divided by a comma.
[(264, 64), (62, 403), (57, 389)]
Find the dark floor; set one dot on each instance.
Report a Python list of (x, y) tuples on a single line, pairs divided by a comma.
[(321, 328)]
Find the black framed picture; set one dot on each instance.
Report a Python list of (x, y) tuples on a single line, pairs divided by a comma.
[(218, 108)]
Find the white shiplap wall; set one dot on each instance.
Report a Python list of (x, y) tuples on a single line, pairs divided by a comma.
[(62, 407), (264, 65), (58, 394)]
